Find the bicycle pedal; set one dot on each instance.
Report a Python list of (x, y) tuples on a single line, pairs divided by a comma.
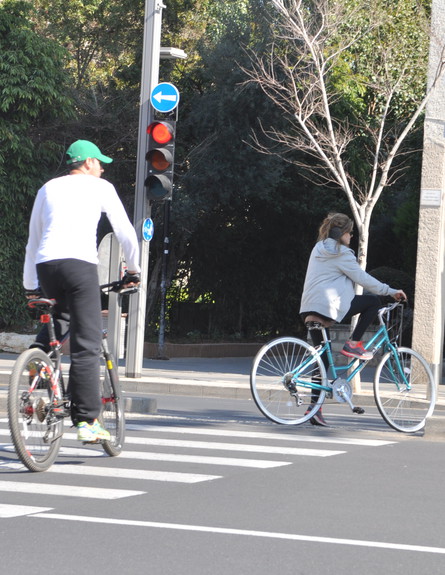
[(95, 442), (358, 410)]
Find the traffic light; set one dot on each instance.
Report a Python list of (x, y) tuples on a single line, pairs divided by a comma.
[(160, 160)]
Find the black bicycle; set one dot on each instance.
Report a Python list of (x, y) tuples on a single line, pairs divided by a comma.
[(38, 401)]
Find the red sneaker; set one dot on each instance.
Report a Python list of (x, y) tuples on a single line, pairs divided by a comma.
[(356, 350), (318, 418)]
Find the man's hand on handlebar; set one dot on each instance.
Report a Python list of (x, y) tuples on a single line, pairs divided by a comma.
[(131, 279)]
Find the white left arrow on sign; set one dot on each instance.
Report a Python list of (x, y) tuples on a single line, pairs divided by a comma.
[(160, 96)]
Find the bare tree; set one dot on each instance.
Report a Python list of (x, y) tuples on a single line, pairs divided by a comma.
[(369, 57)]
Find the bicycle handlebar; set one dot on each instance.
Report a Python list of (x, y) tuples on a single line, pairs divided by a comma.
[(118, 287), (389, 307)]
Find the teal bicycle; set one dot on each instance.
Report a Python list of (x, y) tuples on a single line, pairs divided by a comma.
[(289, 382)]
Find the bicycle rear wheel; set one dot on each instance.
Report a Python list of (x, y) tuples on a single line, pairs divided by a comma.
[(112, 416), (35, 431), (405, 395), (281, 379)]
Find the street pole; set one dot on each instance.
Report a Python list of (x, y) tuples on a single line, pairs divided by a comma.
[(165, 254), (142, 209)]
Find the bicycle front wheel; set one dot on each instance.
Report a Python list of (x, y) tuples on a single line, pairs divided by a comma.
[(282, 380), (404, 390), (36, 431), (112, 416)]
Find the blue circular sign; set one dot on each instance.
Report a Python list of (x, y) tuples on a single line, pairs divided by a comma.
[(148, 229), (164, 97)]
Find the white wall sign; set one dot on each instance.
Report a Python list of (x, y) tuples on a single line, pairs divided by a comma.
[(430, 197)]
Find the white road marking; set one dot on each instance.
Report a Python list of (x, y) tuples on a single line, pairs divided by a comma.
[(78, 451), (155, 456), (259, 435), (205, 460), (66, 490), (8, 511), (115, 472), (245, 532), (249, 448)]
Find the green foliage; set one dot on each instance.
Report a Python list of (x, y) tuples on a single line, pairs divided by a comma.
[(242, 223), (33, 103)]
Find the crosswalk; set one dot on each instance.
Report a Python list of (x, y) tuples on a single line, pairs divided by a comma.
[(161, 453)]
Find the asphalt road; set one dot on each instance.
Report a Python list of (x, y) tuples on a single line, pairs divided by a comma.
[(209, 486)]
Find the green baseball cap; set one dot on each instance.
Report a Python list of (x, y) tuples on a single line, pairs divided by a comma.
[(83, 149)]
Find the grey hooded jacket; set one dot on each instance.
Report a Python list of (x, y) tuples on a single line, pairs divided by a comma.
[(330, 278)]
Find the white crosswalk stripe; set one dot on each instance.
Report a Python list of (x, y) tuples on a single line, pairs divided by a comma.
[(248, 448), (7, 511), (119, 472), (66, 490), (173, 457), (260, 435)]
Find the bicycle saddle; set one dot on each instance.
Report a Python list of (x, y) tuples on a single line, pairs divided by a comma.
[(41, 303), (313, 321)]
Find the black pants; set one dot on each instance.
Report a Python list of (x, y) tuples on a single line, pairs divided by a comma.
[(367, 306), (74, 284)]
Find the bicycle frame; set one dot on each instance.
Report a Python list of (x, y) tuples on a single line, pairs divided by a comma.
[(55, 355), (379, 340)]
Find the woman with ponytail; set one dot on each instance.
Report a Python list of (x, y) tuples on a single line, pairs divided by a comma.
[(329, 288)]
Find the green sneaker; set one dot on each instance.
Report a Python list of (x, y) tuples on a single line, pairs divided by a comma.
[(92, 433)]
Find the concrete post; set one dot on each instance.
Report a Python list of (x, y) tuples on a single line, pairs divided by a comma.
[(429, 312), (142, 209)]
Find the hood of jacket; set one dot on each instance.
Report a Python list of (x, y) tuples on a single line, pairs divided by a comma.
[(328, 249)]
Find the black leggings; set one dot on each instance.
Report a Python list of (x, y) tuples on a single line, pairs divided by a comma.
[(367, 306), (75, 286)]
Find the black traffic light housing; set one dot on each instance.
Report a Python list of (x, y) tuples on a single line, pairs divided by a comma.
[(160, 159)]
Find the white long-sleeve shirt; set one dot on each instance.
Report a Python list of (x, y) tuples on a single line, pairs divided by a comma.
[(64, 223)]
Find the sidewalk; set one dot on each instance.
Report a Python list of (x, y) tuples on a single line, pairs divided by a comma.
[(206, 377)]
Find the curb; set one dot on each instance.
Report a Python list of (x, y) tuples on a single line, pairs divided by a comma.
[(435, 428), (132, 404)]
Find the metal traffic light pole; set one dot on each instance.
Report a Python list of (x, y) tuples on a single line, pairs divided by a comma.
[(142, 210)]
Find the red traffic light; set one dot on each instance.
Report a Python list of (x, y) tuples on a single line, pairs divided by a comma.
[(160, 160), (161, 132)]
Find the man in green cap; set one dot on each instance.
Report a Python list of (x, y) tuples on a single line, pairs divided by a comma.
[(61, 263)]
